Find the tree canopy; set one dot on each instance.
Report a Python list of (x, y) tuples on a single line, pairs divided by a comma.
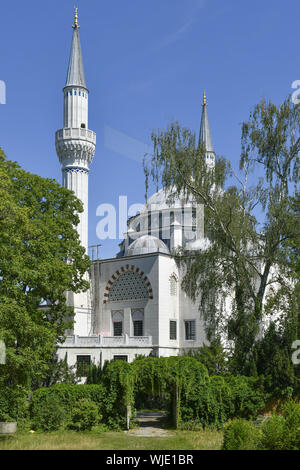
[(40, 259), (250, 219)]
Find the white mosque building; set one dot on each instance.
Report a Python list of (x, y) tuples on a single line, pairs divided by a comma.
[(135, 305)]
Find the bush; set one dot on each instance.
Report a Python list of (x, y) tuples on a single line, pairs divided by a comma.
[(273, 434), (282, 432), (85, 415), (247, 398), (14, 405), (69, 395), (240, 434), (218, 399), (51, 416), (291, 413)]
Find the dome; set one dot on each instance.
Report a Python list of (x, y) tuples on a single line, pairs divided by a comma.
[(147, 244), (159, 201)]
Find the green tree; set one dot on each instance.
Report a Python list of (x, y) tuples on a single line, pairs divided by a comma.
[(40, 259), (247, 225), (212, 356)]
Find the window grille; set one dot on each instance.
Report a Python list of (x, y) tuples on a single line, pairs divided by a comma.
[(129, 286)]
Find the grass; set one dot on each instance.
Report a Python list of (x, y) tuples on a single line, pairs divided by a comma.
[(99, 440)]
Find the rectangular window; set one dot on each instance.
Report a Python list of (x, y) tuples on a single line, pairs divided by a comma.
[(82, 364), (118, 328), (190, 330), (173, 329), (138, 328), (149, 224), (121, 358)]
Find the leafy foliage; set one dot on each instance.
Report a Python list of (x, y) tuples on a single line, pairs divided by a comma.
[(40, 259), (280, 432), (240, 434), (84, 415), (212, 356), (248, 227)]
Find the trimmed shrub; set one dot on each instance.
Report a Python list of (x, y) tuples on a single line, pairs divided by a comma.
[(240, 434), (85, 415), (66, 397)]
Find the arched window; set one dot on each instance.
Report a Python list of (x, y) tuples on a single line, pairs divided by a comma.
[(129, 286), (117, 321), (138, 321), (173, 284)]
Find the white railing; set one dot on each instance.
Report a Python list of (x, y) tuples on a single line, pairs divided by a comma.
[(110, 341), (76, 133)]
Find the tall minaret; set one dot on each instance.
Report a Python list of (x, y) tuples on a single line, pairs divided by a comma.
[(205, 137), (75, 143)]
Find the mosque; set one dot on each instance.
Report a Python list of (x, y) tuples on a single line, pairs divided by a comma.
[(135, 305)]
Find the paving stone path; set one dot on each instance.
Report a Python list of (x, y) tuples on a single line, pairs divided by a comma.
[(150, 425)]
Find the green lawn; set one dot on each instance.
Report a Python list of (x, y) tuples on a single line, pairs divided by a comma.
[(68, 440)]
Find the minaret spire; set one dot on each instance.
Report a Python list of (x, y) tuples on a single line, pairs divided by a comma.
[(75, 143), (205, 135), (75, 75)]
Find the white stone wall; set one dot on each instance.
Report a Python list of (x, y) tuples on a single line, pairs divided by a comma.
[(100, 355), (106, 269)]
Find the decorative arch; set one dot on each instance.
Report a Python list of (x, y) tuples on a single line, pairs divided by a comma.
[(128, 283), (173, 282)]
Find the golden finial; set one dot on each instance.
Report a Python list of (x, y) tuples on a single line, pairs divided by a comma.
[(204, 99), (75, 25)]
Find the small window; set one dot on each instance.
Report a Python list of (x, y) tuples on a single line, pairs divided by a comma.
[(190, 330), (79, 93), (118, 328), (83, 362), (172, 217), (173, 329), (70, 93), (149, 224), (138, 328), (82, 126), (121, 358), (173, 285)]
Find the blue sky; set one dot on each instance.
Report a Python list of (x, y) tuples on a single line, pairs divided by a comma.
[(146, 64)]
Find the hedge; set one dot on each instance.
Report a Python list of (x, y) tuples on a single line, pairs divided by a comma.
[(66, 397)]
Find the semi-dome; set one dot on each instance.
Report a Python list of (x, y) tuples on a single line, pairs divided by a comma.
[(147, 244)]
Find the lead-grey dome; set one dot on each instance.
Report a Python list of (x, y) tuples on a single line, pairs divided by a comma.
[(147, 244)]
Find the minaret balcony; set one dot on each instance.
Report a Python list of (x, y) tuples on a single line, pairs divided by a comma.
[(71, 133)]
